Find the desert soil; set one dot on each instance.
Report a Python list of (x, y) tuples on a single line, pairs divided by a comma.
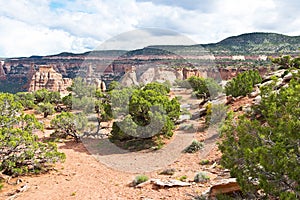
[(88, 173)]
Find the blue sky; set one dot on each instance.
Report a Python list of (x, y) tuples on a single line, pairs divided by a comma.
[(43, 27)]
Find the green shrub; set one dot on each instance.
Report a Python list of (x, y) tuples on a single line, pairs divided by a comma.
[(1, 185), (243, 83), (21, 150), (194, 147), (183, 83), (67, 101), (201, 177), (151, 112), (183, 178), (204, 88), (45, 96), (204, 162), (262, 151), (46, 109), (26, 99), (68, 124), (140, 179), (215, 113), (287, 62)]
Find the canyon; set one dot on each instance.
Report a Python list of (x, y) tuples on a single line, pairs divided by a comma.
[(221, 60)]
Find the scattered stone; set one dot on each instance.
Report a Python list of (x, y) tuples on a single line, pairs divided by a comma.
[(19, 181), (255, 93), (169, 183), (238, 98), (168, 171), (279, 83), (277, 73), (199, 113), (143, 184), (213, 165), (257, 100), (229, 99), (247, 108), (23, 188), (288, 77), (238, 109), (266, 83), (225, 187)]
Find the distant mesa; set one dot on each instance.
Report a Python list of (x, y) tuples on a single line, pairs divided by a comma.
[(229, 56)]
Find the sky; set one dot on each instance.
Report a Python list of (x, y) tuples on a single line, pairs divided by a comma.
[(45, 27)]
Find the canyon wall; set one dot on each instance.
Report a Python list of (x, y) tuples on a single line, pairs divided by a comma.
[(18, 74)]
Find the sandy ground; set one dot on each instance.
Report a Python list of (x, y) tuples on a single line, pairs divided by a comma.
[(88, 173)]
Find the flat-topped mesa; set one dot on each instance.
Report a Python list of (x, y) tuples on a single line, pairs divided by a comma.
[(46, 77)]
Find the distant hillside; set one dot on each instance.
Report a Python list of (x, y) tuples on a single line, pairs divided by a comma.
[(245, 44), (256, 43)]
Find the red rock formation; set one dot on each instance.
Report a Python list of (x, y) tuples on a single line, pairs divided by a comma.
[(188, 72), (46, 77)]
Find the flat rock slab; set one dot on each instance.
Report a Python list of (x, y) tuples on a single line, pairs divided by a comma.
[(169, 183)]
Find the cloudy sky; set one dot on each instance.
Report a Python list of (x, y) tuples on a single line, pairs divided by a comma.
[(43, 27)]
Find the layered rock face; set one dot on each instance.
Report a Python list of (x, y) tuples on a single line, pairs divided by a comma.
[(46, 77), (136, 75)]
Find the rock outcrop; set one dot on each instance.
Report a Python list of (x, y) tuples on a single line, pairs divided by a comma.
[(46, 77)]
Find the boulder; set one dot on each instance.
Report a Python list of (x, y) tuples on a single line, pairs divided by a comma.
[(199, 113), (257, 100), (225, 187)]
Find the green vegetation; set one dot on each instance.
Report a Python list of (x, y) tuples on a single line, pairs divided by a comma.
[(81, 88), (251, 43), (194, 147), (46, 96), (204, 88), (21, 151), (215, 113), (183, 83), (67, 101), (204, 162), (287, 62), (68, 124), (148, 112), (201, 177), (26, 99), (262, 150), (183, 178), (46, 109), (243, 83), (140, 179)]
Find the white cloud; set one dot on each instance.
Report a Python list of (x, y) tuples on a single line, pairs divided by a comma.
[(21, 39), (34, 27)]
